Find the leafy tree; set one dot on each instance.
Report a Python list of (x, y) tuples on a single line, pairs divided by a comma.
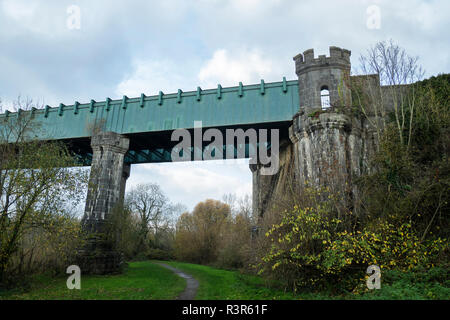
[(39, 182)]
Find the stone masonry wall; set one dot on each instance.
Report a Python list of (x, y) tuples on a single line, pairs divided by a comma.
[(106, 189)]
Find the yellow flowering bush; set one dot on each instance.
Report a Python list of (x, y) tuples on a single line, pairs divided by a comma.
[(312, 248)]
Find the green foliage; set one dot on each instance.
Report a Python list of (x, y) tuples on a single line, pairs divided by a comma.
[(298, 243), (122, 232), (430, 127), (417, 284), (311, 248), (412, 182), (387, 246), (159, 254), (316, 113), (36, 229)]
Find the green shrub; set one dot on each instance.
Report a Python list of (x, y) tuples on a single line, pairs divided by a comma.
[(313, 248), (159, 254), (416, 284)]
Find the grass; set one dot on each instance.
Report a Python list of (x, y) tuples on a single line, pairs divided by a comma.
[(419, 284), (217, 284), (141, 281), (396, 285), (147, 280)]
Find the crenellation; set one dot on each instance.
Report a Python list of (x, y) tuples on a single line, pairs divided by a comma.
[(346, 54), (299, 58), (335, 52), (308, 55), (338, 58)]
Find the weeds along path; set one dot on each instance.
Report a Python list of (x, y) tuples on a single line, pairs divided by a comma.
[(191, 283)]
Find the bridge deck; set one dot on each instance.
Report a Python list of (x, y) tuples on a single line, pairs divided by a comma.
[(149, 120)]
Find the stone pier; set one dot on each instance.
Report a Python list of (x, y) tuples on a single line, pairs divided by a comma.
[(105, 190)]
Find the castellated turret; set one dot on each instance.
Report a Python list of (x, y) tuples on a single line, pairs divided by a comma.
[(323, 81), (330, 148)]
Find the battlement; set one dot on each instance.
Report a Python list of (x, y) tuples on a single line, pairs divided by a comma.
[(338, 58)]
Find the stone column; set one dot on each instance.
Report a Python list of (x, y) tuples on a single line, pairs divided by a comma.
[(270, 191), (255, 189), (106, 189)]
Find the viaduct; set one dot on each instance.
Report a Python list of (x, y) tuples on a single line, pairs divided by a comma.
[(315, 135)]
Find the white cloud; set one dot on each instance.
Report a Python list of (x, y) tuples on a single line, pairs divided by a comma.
[(248, 66), (238, 9), (151, 76), (42, 18), (224, 67), (251, 7), (192, 182), (19, 9)]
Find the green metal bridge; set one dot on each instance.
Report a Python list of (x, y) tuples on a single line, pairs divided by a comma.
[(150, 120)]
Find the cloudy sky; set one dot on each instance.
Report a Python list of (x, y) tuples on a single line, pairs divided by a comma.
[(65, 50)]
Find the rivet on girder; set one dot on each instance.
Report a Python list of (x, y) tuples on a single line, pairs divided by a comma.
[(91, 106), (219, 91), (179, 96), (199, 92), (241, 90), (124, 102), (263, 89), (284, 84), (75, 107), (108, 104), (47, 109), (160, 98), (61, 109), (141, 102)]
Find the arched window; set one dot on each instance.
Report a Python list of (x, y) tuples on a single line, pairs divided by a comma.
[(325, 97)]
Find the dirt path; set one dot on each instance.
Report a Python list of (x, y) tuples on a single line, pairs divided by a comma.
[(191, 284)]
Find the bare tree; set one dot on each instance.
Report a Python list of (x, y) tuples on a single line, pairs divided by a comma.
[(153, 208), (245, 206), (239, 205), (175, 210), (231, 200), (388, 64)]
